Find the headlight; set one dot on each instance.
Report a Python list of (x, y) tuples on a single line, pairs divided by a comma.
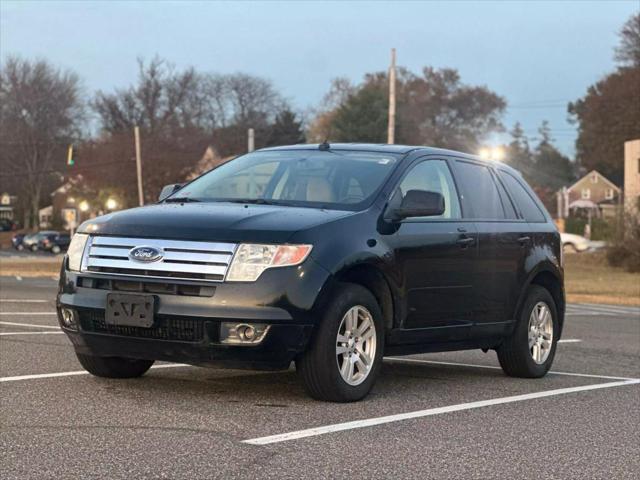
[(75, 251), (251, 260)]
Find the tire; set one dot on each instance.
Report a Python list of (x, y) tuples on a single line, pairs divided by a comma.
[(55, 249), (34, 248), (320, 366), (516, 355), (114, 367), (20, 247)]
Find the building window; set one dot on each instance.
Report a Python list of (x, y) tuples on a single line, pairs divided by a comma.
[(594, 177), (586, 193), (608, 193)]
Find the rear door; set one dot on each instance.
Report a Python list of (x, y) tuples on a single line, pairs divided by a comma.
[(435, 256), (501, 238)]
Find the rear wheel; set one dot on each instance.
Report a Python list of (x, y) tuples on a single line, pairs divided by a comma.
[(34, 248), (530, 350), (114, 367), (344, 358), (55, 249)]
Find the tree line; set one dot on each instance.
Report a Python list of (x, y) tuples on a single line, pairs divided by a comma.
[(180, 113)]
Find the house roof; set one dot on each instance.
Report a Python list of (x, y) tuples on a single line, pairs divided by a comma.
[(609, 182)]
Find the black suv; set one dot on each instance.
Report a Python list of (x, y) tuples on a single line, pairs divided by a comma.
[(330, 256)]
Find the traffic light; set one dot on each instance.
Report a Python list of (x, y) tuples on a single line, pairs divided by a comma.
[(71, 161)]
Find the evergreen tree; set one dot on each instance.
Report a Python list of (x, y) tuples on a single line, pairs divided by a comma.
[(286, 129)]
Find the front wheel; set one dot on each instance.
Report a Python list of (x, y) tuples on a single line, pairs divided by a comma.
[(55, 249), (344, 357), (114, 367), (530, 350)]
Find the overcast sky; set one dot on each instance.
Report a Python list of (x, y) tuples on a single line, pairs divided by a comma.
[(538, 55)]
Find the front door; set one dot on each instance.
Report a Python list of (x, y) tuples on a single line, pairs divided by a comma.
[(436, 256)]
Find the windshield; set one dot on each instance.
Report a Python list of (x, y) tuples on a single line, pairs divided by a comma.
[(324, 179)]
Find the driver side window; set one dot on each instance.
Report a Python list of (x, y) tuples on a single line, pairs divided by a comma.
[(433, 176)]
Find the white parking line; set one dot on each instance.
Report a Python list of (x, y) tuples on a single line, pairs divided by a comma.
[(29, 333), (492, 367), (28, 313), (23, 300), (609, 308), (28, 325), (76, 372), (338, 427), (570, 340)]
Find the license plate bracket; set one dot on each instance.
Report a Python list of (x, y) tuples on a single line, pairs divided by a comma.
[(130, 310)]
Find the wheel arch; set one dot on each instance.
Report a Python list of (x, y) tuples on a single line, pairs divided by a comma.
[(549, 278), (373, 279)]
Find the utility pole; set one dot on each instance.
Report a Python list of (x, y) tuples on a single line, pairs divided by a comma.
[(251, 143), (136, 133), (391, 132)]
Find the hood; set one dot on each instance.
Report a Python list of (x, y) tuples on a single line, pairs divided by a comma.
[(225, 222)]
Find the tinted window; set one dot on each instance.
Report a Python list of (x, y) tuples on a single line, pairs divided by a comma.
[(509, 211), (526, 204), (433, 176), (481, 194)]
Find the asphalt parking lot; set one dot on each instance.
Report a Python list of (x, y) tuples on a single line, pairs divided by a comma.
[(451, 415)]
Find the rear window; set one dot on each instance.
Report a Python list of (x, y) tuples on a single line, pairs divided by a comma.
[(481, 197), (524, 201)]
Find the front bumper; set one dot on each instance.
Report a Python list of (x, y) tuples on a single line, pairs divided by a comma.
[(187, 326), (275, 352)]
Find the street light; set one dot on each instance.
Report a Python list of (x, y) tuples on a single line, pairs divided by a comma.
[(111, 204), (497, 154), (84, 206)]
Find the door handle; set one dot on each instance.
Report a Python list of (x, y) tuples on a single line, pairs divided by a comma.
[(524, 240), (466, 241)]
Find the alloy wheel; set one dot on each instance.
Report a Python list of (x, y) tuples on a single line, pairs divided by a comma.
[(356, 345), (540, 332)]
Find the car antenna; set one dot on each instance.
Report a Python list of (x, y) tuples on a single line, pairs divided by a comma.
[(324, 146)]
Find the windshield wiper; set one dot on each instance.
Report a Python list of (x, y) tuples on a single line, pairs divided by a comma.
[(253, 201), (181, 200)]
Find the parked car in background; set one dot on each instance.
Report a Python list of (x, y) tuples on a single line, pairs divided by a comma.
[(30, 242), (16, 241), (55, 242), (574, 243), (7, 225)]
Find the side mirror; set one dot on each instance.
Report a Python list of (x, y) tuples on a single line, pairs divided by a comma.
[(420, 203), (169, 189)]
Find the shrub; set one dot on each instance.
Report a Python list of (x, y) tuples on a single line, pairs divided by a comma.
[(601, 229), (624, 250)]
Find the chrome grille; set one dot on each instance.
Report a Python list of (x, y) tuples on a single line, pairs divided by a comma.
[(185, 260)]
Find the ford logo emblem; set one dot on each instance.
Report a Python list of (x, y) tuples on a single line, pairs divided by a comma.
[(146, 254)]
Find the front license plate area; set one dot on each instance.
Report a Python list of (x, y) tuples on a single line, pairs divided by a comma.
[(130, 310)]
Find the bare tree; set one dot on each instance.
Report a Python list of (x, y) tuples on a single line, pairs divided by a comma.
[(162, 101), (628, 52), (253, 99), (40, 113)]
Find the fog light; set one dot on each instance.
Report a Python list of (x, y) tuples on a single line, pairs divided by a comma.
[(69, 318), (243, 333)]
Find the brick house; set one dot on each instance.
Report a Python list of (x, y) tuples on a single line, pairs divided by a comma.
[(593, 190)]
